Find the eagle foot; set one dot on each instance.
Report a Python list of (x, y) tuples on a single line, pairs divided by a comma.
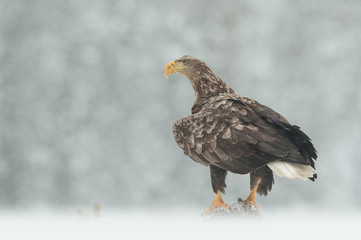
[(251, 200), (251, 203), (217, 203)]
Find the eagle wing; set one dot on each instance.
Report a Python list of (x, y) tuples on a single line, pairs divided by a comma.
[(236, 134)]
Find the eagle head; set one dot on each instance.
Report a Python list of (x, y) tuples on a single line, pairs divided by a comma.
[(186, 65)]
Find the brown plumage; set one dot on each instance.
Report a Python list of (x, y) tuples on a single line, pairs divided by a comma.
[(229, 132)]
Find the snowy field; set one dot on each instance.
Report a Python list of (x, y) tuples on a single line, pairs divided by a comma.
[(178, 225)]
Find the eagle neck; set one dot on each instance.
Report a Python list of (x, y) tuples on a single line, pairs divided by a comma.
[(208, 85)]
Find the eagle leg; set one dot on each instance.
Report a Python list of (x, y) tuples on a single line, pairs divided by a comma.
[(251, 200), (217, 203)]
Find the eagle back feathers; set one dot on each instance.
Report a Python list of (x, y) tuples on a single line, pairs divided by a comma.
[(239, 135)]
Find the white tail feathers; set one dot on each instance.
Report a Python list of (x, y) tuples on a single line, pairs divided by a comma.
[(292, 170)]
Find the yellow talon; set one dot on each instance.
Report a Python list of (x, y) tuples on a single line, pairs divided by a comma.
[(217, 203), (251, 200)]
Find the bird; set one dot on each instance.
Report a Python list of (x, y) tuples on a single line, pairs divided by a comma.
[(228, 132)]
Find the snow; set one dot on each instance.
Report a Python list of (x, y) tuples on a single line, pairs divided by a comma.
[(178, 225)]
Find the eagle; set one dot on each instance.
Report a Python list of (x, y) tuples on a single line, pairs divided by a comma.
[(229, 132)]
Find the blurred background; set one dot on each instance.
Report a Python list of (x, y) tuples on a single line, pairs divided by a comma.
[(86, 114)]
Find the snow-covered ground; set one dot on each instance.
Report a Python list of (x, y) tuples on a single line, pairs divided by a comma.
[(178, 225)]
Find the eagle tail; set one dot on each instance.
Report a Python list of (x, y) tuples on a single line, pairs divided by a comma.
[(292, 170)]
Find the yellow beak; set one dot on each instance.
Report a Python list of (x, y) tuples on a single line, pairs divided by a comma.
[(170, 68)]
